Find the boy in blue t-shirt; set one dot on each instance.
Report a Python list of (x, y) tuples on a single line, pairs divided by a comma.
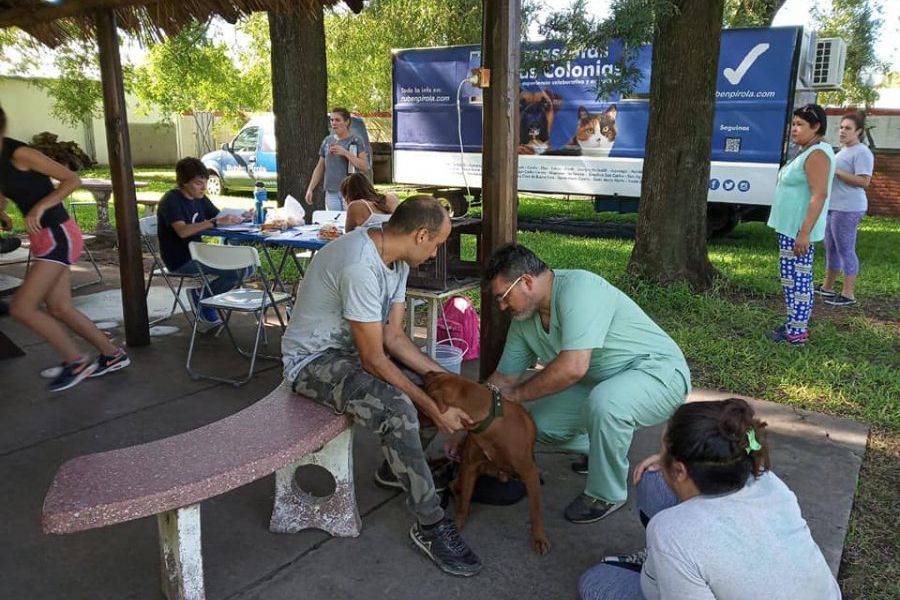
[(184, 213)]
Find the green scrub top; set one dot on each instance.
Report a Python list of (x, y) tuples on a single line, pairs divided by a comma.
[(589, 313)]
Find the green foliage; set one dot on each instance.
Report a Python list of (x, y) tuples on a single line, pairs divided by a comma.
[(858, 22), (76, 92), (751, 13), (190, 72), (255, 61), (359, 46), (632, 23)]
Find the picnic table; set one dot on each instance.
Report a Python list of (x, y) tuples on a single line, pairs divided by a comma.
[(102, 189)]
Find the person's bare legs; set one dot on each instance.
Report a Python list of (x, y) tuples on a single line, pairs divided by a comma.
[(25, 307), (848, 288), (42, 282), (830, 279), (59, 305)]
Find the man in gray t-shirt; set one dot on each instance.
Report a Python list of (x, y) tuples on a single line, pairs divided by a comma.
[(343, 346)]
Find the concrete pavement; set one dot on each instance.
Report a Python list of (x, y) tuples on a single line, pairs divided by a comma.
[(817, 456)]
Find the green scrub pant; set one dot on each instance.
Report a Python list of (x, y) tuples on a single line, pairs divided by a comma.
[(600, 420)]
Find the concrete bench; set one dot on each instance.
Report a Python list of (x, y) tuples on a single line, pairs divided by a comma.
[(170, 477)]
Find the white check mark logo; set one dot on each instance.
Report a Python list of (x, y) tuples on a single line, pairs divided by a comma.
[(734, 76)]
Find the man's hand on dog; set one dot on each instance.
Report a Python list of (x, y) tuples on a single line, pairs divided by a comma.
[(452, 419)]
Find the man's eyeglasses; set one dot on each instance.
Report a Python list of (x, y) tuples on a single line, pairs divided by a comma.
[(500, 299)]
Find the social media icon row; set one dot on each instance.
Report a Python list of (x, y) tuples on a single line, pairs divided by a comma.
[(729, 184)]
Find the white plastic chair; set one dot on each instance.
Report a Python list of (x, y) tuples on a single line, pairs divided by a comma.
[(240, 299), (149, 230), (337, 217)]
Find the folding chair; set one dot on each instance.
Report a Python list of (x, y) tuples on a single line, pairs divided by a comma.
[(337, 217), (240, 299), (149, 230), (86, 237)]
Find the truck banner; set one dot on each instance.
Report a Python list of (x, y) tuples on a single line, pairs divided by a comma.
[(571, 142)]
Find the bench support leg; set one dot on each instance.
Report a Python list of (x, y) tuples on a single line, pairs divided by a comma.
[(337, 514), (180, 554)]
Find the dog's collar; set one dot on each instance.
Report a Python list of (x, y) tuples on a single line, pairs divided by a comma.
[(495, 411)]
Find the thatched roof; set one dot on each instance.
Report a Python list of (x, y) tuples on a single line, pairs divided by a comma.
[(55, 21)]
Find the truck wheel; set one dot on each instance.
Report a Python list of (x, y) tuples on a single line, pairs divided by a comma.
[(455, 203), (214, 185), (721, 219)]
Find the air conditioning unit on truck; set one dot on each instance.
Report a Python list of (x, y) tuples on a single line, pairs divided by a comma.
[(572, 143)]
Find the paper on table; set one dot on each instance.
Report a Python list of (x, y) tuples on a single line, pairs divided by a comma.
[(237, 212), (239, 227)]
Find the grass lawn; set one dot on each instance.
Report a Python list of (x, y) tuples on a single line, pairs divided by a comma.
[(850, 368)]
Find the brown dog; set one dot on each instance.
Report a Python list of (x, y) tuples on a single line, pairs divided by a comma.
[(505, 447)]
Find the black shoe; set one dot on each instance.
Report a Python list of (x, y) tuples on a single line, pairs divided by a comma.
[(8, 244), (636, 559), (72, 374), (585, 509), (107, 364), (385, 478), (443, 544), (581, 465), (819, 291), (840, 300)]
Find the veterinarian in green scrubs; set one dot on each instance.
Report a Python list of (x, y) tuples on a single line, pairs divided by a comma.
[(608, 368)]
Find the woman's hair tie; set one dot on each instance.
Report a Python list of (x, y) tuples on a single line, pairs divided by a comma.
[(752, 443)]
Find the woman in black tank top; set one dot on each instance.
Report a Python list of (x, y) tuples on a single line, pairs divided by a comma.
[(25, 178)]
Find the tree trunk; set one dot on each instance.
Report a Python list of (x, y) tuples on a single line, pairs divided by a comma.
[(499, 173), (670, 241), (299, 98)]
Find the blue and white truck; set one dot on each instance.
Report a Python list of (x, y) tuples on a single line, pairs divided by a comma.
[(572, 143)]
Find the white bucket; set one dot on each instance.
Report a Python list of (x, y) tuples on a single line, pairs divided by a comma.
[(449, 356)]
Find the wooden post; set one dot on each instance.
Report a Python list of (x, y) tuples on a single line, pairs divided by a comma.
[(500, 49), (131, 263)]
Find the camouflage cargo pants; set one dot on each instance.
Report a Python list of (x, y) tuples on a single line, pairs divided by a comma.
[(337, 380)]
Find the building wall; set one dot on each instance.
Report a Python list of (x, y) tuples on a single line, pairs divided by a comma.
[(153, 142), (884, 191)]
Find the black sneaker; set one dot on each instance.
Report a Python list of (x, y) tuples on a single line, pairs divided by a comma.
[(635, 558), (580, 466), (443, 544), (108, 364), (585, 509), (385, 478), (72, 374), (840, 300), (820, 291)]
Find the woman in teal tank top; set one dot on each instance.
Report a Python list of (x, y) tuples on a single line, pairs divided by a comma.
[(798, 217)]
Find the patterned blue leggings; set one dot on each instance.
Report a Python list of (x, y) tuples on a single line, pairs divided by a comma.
[(796, 281)]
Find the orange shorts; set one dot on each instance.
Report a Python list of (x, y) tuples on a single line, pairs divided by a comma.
[(61, 244)]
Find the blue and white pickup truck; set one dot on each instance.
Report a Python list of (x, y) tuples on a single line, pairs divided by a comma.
[(251, 156)]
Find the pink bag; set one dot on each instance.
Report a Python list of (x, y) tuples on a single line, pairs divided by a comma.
[(460, 322)]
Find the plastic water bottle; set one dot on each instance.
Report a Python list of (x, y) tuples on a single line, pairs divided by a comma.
[(354, 150), (260, 195)]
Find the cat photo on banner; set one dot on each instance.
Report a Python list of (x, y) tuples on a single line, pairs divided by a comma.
[(596, 132)]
